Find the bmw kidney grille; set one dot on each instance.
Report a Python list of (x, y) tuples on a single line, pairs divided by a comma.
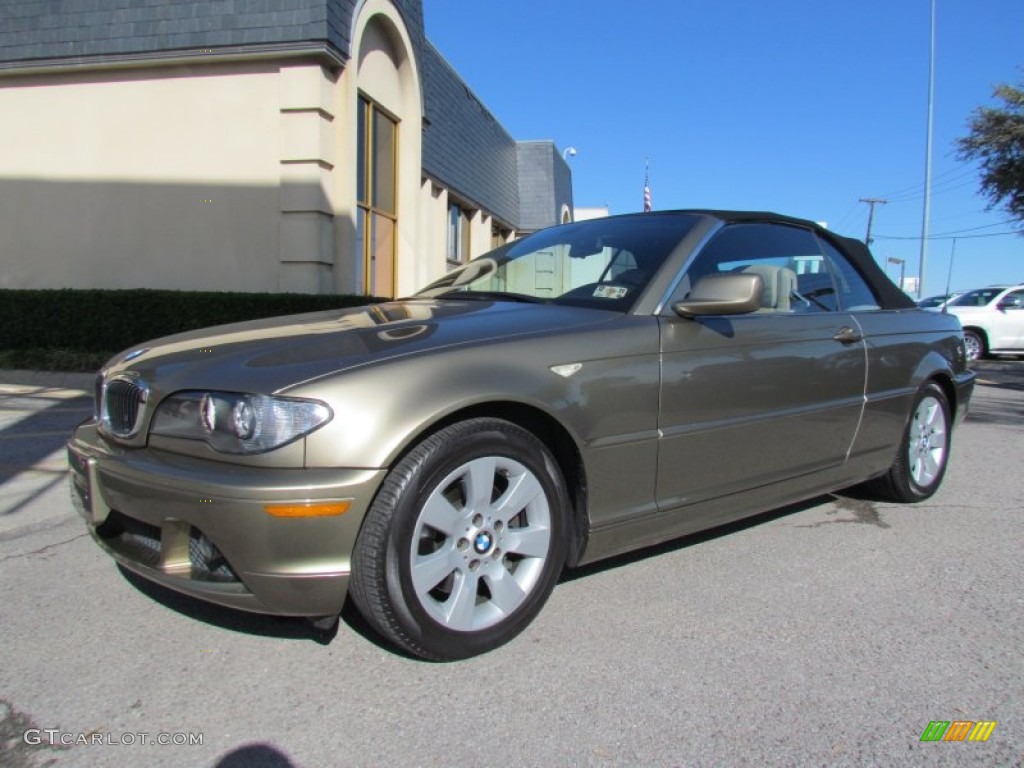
[(121, 409)]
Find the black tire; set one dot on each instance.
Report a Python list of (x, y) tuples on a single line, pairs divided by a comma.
[(483, 566), (921, 461), (977, 348)]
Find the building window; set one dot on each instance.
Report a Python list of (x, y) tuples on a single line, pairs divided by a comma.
[(458, 234), (377, 184)]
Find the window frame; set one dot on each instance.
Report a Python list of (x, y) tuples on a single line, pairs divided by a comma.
[(832, 257), (458, 237), (376, 225)]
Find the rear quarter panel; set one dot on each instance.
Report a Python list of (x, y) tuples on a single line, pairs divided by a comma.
[(905, 348)]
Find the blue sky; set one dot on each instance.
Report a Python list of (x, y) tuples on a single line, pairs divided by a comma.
[(795, 106)]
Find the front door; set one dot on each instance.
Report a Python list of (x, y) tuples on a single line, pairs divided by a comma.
[(751, 400)]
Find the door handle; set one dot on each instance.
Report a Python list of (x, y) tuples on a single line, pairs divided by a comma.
[(848, 335)]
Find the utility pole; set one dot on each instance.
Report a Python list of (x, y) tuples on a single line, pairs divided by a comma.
[(872, 201), (926, 214)]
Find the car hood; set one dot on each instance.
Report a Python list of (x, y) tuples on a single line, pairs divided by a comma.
[(276, 353)]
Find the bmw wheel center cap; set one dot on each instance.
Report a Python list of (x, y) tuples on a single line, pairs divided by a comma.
[(483, 542)]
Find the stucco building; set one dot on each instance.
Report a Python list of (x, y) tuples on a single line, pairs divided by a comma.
[(250, 145)]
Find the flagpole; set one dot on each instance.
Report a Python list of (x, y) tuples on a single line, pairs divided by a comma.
[(647, 185)]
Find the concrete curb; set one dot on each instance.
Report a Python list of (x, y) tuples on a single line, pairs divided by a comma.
[(49, 379)]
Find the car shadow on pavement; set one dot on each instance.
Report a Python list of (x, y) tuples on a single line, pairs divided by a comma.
[(998, 394), (1004, 411), (266, 625), (297, 628), (674, 545), (1004, 383), (286, 627)]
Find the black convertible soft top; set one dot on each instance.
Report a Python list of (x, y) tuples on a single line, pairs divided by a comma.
[(889, 296)]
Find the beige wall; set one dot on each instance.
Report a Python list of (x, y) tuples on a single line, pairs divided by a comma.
[(217, 175), (148, 178), (310, 252), (433, 232)]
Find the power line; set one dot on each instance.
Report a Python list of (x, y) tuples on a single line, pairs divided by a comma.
[(915, 191), (948, 236), (983, 226), (842, 221), (956, 232), (980, 212), (936, 189)]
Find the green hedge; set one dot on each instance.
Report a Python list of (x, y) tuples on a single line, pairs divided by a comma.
[(104, 322)]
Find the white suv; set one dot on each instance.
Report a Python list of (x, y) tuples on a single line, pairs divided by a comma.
[(993, 320)]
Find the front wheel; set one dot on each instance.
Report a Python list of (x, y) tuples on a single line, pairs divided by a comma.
[(464, 542), (920, 464)]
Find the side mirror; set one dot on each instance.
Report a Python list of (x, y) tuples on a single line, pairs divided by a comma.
[(731, 294), (1011, 302)]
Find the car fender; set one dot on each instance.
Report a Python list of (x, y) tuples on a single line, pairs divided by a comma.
[(601, 387)]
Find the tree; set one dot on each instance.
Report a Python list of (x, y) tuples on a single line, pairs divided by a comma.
[(997, 141)]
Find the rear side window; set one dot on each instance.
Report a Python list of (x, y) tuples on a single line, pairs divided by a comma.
[(977, 298), (852, 290)]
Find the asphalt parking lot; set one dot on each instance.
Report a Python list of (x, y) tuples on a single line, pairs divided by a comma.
[(831, 633)]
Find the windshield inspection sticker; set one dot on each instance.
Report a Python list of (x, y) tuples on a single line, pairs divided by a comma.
[(610, 291)]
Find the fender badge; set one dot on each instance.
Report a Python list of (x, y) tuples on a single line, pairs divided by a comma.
[(566, 370)]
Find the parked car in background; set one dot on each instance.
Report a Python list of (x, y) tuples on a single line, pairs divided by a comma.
[(582, 392), (992, 319), (936, 302)]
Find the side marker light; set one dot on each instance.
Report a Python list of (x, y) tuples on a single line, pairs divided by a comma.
[(308, 509)]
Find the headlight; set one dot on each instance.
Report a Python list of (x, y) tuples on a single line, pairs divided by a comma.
[(238, 423)]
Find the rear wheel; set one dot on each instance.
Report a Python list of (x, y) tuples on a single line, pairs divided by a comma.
[(464, 542), (921, 462), (975, 343)]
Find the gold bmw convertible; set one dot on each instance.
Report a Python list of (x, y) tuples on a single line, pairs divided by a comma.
[(584, 391)]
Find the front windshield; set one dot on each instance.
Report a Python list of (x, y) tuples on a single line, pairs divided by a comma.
[(977, 298), (601, 263)]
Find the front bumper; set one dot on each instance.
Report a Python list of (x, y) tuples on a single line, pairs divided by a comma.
[(200, 527)]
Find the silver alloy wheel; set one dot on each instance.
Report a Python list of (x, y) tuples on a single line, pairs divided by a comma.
[(973, 344), (927, 442), (480, 543)]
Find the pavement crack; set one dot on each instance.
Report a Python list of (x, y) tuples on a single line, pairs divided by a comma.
[(43, 550), (21, 739)]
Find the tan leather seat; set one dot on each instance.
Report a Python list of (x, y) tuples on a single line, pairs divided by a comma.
[(779, 285)]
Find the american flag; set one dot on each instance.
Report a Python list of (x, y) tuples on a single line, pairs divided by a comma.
[(647, 190)]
